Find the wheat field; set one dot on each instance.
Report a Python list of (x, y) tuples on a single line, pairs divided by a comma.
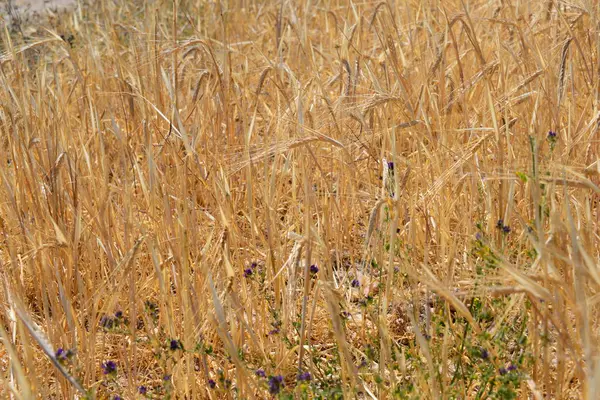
[(313, 199)]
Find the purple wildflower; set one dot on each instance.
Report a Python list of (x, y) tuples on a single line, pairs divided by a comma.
[(109, 367), (167, 378), (107, 322), (142, 390), (500, 224), (506, 229), (261, 373), (175, 345), (390, 166), (275, 384), (314, 269), (355, 283), (512, 367), (304, 376), (212, 384), (248, 272), (484, 354), (551, 135), (502, 371), (117, 397)]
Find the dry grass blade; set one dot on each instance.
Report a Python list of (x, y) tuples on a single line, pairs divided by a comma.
[(46, 346)]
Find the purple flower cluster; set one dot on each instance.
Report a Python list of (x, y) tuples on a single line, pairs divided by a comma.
[(484, 354), (275, 384), (511, 368), (109, 367), (248, 272), (108, 322), (261, 373), (175, 345), (304, 377), (504, 228), (61, 355)]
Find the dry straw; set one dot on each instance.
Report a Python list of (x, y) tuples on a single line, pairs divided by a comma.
[(303, 199)]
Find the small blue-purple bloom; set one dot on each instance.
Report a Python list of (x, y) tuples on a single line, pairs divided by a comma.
[(502, 371), (212, 384), (109, 367), (175, 345), (355, 283), (142, 390), (248, 272), (106, 322), (261, 373), (61, 354), (304, 376), (314, 269), (275, 384), (484, 354)]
